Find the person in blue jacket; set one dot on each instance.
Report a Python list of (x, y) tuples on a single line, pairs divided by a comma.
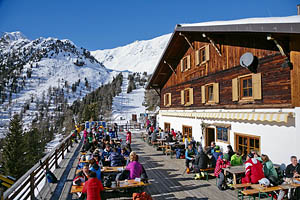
[(95, 168)]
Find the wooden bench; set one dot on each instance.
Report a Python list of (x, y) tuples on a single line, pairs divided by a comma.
[(206, 172), (249, 193), (169, 151)]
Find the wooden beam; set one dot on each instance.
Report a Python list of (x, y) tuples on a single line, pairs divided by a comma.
[(213, 44), (170, 67), (181, 34)]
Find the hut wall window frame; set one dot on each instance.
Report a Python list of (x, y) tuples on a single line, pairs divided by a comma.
[(187, 96), (222, 134), (210, 93), (247, 88), (185, 63), (167, 99), (202, 55)]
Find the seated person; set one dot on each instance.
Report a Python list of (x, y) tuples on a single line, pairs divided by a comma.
[(106, 153), (215, 155), (115, 158), (201, 162), (236, 159), (169, 138), (153, 137), (269, 170), (190, 155), (293, 169), (254, 170), (134, 167), (93, 187), (82, 176), (222, 162), (112, 144), (124, 152), (95, 168)]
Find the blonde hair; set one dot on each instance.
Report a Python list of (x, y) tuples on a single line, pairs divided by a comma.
[(265, 158), (132, 156)]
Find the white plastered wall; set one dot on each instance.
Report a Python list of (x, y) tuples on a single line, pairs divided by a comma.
[(279, 142)]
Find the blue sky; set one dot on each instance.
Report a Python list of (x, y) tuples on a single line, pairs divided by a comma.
[(102, 24)]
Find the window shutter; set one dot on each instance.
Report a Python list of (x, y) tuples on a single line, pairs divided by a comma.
[(191, 95), (203, 94), (235, 90), (182, 97), (216, 92), (256, 81), (189, 62), (181, 65), (164, 99), (207, 53), (170, 98), (197, 62)]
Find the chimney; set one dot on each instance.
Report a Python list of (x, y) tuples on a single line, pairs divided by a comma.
[(298, 9)]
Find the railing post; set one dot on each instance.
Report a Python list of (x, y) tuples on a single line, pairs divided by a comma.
[(32, 197), (55, 159), (68, 144), (47, 163), (63, 151)]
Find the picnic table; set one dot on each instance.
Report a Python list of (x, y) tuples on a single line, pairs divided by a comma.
[(124, 188), (108, 169), (235, 170), (257, 189)]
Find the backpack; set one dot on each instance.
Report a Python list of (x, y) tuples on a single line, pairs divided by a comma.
[(51, 178), (141, 196)]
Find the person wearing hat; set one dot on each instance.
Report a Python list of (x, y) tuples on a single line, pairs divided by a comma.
[(254, 170), (190, 155), (217, 152), (222, 162)]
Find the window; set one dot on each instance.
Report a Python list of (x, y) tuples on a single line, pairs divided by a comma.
[(187, 97), (222, 134), (210, 93), (167, 99), (187, 132), (246, 88), (167, 127), (247, 143), (202, 55), (185, 63)]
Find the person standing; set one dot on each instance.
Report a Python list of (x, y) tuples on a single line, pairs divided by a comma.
[(93, 187), (128, 139)]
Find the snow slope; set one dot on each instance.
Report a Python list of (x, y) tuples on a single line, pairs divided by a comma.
[(138, 56), (53, 63), (124, 105)]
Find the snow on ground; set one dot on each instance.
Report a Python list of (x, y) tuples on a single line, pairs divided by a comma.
[(138, 56), (124, 105)]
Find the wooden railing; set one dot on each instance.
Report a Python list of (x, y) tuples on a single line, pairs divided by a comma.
[(26, 186), (123, 127)]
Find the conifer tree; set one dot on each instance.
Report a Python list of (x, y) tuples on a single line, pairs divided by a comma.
[(33, 147), (13, 149)]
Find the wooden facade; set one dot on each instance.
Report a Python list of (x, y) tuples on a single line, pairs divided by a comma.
[(275, 79)]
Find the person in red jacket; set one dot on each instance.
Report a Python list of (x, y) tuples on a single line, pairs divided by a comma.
[(93, 187), (254, 170), (222, 162)]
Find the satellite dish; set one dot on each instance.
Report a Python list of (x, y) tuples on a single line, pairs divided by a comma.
[(246, 60)]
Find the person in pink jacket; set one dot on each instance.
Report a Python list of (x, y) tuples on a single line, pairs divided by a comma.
[(134, 167)]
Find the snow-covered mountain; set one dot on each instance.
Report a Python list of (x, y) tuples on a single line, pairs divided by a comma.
[(30, 68), (138, 56)]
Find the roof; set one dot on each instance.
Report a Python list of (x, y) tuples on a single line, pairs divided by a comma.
[(283, 27)]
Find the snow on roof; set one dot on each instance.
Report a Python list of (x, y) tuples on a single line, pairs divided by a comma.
[(262, 20)]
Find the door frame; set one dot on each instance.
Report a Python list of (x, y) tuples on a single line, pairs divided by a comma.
[(206, 135)]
